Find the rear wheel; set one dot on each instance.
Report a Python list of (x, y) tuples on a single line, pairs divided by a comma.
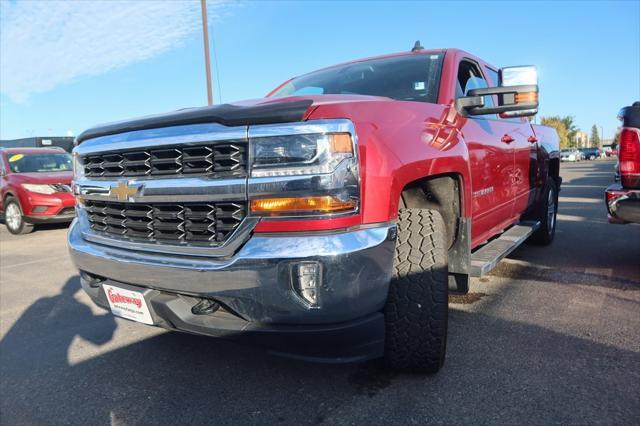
[(547, 213), (417, 306), (13, 218)]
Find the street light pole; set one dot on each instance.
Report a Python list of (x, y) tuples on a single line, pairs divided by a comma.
[(207, 62)]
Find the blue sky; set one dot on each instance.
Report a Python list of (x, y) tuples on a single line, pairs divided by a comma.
[(65, 66)]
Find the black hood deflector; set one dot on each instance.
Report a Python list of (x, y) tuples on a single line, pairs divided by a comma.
[(225, 114)]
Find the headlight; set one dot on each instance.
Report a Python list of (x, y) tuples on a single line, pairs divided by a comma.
[(305, 169), (291, 155), (78, 167), (39, 189)]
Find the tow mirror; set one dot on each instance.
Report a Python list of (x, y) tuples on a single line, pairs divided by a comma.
[(517, 94)]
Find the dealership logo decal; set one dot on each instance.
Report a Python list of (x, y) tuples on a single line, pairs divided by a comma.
[(115, 297)]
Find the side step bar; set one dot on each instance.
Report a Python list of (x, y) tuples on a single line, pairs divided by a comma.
[(487, 257)]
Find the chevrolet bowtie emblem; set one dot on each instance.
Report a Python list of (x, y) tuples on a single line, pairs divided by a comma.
[(122, 191)]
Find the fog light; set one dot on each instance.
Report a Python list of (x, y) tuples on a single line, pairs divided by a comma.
[(39, 209), (307, 280)]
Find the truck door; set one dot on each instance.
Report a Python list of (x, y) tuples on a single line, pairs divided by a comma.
[(525, 151), (490, 143), (525, 154)]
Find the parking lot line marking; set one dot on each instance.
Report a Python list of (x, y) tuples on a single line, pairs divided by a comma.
[(581, 200), (608, 272), (574, 218), (569, 185), (49, 259)]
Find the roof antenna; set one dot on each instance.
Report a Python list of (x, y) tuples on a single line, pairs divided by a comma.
[(417, 46)]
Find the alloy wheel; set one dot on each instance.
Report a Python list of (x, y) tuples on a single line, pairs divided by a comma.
[(13, 216)]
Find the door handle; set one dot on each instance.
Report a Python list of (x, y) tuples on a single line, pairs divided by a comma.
[(507, 138), (532, 139)]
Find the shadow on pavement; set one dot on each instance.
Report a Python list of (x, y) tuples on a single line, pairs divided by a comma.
[(509, 371), (42, 226)]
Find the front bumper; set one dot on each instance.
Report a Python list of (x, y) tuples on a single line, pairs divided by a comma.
[(623, 205), (48, 208), (255, 288)]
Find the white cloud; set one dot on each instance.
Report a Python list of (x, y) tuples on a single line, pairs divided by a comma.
[(47, 43)]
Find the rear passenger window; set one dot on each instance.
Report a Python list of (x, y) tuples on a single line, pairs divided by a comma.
[(469, 78)]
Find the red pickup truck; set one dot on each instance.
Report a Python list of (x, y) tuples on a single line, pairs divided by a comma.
[(623, 198), (326, 221)]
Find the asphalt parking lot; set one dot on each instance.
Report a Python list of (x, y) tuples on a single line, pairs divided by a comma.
[(551, 336)]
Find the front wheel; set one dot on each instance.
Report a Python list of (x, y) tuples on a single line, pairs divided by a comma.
[(14, 220), (547, 214), (417, 307)]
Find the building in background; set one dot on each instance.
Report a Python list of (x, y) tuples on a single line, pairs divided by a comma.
[(581, 139), (64, 142)]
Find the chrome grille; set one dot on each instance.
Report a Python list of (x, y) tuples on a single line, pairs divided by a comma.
[(216, 160), (206, 224)]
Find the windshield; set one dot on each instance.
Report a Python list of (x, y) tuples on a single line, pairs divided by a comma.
[(406, 78), (34, 163)]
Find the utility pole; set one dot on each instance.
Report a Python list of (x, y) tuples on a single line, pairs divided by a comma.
[(601, 136), (207, 62)]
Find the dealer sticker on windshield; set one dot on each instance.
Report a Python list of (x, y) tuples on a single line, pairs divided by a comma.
[(128, 304)]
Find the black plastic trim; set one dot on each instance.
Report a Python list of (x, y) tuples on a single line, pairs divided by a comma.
[(35, 220), (226, 114)]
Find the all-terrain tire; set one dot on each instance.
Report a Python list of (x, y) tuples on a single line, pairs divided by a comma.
[(547, 213), (417, 307)]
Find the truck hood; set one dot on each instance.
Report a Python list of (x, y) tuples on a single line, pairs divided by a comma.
[(44, 178), (254, 111)]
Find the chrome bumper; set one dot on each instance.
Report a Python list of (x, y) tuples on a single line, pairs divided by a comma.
[(623, 205), (256, 282)]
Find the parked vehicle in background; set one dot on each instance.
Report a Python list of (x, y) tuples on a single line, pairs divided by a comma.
[(35, 187), (590, 153), (623, 197), (570, 154), (610, 151), (326, 221)]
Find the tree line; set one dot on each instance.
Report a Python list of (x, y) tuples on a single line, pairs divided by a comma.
[(567, 131)]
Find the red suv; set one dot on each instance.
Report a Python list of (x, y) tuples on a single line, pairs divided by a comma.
[(35, 187)]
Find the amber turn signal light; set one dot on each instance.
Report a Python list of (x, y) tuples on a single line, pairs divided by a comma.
[(322, 204), (341, 143), (527, 97)]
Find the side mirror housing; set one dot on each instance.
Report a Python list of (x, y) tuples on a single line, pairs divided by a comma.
[(517, 94)]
